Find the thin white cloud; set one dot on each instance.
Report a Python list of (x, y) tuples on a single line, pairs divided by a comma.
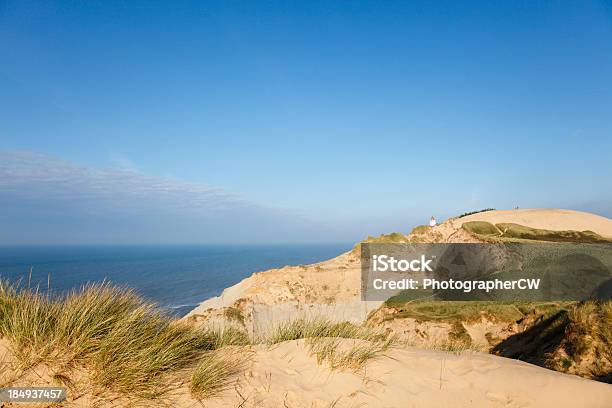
[(34, 176), (44, 199)]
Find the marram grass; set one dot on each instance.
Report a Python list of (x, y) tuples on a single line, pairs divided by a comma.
[(129, 347), (327, 341), (126, 344), (318, 327), (214, 373)]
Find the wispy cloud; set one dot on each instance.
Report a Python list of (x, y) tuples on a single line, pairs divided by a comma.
[(46, 198), (34, 176)]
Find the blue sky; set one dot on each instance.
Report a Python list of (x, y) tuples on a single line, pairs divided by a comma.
[(142, 122)]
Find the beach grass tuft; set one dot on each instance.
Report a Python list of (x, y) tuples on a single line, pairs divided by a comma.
[(345, 353), (227, 336), (319, 327), (327, 341), (126, 344), (214, 373)]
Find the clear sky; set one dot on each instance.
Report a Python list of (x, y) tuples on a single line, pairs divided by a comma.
[(176, 121)]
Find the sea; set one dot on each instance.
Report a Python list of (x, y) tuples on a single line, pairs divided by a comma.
[(176, 277)]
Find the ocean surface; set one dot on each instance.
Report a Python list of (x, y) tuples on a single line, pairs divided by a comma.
[(176, 277)]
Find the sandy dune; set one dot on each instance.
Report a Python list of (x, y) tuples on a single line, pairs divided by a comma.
[(550, 218), (287, 376)]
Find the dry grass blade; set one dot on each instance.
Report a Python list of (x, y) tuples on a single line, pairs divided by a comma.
[(319, 327), (346, 353), (214, 373), (227, 336)]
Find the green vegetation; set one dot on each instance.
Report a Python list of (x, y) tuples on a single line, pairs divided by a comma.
[(419, 234), (110, 341), (577, 339), (588, 337), (126, 345), (227, 336), (510, 230), (233, 313), (569, 337), (394, 237), (459, 335), (318, 327), (475, 212), (606, 326), (420, 229), (458, 313), (517, 232), (572, 337), (469, 311), (481, 228), (340, 355), (328, 341), (214, 373)]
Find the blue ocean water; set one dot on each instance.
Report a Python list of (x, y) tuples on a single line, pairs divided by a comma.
[(176, 277)]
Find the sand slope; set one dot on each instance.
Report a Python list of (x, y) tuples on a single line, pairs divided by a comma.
[(287, 376)]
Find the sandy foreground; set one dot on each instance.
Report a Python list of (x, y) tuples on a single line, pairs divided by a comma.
[(287, 376)]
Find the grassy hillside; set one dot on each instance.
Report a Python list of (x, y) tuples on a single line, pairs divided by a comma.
[(516, 232)]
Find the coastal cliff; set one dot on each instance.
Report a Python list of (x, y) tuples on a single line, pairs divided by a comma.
[(333, 288)]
